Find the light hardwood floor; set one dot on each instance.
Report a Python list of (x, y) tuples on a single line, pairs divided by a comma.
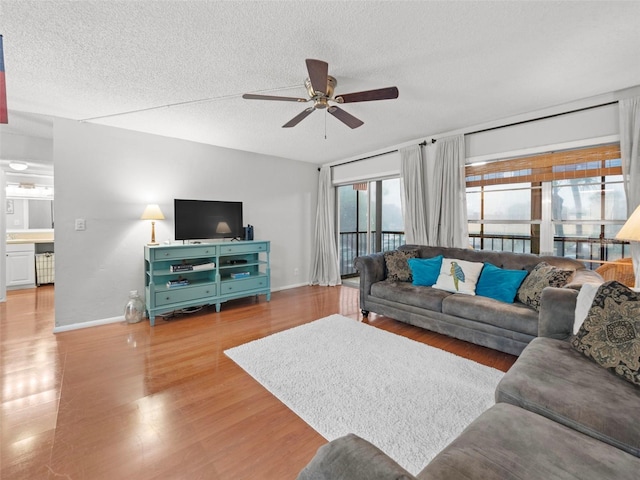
[(134, 402)]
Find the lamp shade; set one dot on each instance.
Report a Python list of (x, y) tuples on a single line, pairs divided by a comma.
[(223, 228), (152, 212), (630, 231)]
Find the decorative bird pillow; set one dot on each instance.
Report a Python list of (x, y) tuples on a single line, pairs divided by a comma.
[(459, 276)]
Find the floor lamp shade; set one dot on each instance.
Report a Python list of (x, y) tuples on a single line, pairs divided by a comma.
[(630, 231), (152, 212)]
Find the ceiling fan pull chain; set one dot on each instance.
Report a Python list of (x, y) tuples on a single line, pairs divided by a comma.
[(325, 124)]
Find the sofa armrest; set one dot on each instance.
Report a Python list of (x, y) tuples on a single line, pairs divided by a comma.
[(372, 269), (582, 276), (352, 458), (557, 312)]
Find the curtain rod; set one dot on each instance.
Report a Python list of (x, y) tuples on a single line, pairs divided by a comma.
[(433, 140), (541, 118), (422, 144)]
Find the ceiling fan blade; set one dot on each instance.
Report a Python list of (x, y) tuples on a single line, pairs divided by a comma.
[(318, 72), (298, 118), (369, 95), (346, 118), (252, 96)]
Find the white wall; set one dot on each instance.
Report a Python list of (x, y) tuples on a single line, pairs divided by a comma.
[(3, 246), (107, 176), (19, 219), (25, 148)]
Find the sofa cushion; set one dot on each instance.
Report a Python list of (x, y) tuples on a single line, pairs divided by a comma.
[(397, 266), (425, 271), (499, 283), (554, 380), (610, 335), (509, 443), (408, 294), (458, 276), (510, 316), (543, 275)]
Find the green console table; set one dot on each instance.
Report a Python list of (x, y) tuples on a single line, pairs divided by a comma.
[(182, 276)]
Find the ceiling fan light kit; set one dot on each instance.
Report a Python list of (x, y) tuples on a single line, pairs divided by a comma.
[(320, 88)]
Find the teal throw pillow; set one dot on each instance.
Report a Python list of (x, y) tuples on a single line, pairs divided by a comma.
[(425, 271), (499, 283)]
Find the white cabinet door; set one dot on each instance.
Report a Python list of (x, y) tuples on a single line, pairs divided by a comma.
[(21, 266)]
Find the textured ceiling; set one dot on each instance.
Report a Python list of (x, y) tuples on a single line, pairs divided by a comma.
[(455, 63)]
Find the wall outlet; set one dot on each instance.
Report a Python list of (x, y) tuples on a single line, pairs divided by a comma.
[(81, 224), (296, 272)]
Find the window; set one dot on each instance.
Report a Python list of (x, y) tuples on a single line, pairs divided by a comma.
[(586, 215), (370, 220), (500, 217), (568, 203)]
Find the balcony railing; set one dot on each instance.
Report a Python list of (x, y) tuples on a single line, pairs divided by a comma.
[(353, 244), (593, 251), (501, 243)]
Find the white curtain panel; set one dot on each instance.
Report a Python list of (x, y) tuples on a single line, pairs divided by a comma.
[(413, 198), (630, 155), (325, 268), (447, 213)]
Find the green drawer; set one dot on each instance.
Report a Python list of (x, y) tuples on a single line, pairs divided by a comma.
[(243, 248), (185, 294), (180, 253), (243, 285)]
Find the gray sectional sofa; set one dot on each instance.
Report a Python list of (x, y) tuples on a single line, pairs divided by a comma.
[(507, 327), (558, 415)]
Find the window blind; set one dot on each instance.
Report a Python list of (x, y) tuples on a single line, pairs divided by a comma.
[(579, 163)]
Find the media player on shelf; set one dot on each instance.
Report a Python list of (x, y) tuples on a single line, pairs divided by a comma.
[(240, 275), (237, 261)]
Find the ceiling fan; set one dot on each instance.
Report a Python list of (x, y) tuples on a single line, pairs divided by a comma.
[(320, 86)]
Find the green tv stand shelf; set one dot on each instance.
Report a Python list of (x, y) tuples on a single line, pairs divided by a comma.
[(182, 276)]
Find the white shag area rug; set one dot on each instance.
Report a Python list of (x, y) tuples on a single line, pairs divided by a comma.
[(342, 376)]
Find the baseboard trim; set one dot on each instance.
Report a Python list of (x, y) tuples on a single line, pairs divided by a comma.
[(106, 321), (289, 287), (93, 323)]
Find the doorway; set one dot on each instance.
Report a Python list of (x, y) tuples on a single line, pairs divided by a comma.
[(369, 220)]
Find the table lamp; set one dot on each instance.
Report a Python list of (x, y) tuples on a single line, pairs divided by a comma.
[(630, 231), (152, 212)]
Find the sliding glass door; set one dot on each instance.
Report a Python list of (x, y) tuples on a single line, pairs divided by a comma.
[(369, 220)]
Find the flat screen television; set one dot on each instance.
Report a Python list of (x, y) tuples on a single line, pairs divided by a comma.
[(207, 219)]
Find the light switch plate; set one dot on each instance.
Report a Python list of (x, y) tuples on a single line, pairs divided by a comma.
[(80, 224)]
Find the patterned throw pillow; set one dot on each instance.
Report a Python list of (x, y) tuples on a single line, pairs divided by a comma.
[(397, 265), (610, 335), (543, 275)]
